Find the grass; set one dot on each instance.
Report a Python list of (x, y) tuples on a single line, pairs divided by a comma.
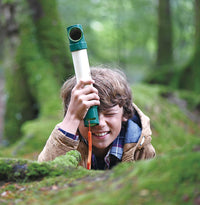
[(171, 178)]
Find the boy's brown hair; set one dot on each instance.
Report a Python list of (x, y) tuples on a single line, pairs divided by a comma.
[(112, 87)]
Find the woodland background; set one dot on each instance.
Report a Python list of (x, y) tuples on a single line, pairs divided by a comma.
[(155, 42)]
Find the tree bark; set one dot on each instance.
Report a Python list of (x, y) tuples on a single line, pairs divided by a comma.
[(51, 36), (189, 77), (36, 63), (165, 37), (196, 64)]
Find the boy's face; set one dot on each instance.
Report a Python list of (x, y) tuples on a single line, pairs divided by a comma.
[(109, 127)]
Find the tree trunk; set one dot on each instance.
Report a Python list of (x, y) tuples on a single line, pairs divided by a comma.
[(189, 77), (50, 36), (196, 64), (163, 72), (19, 104), (165, 38), (1, 33), (36, 64)]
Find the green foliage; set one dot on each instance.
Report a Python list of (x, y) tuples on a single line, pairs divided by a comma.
[(123, 34), (166, 115), (7, 1), (170, 178), (35, 134), (52, 37), (44, 88), (5, 167), (20, 104), (39, 68), (183, 30), (72, 159), (189, 76), (192, 99), (36, 170), (173, 176), (19, 169)]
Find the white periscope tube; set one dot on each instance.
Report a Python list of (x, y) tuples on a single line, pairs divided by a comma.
[(81, 65), (78, 48)]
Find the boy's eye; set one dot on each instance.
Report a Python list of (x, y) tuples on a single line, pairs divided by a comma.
[(109, 114)]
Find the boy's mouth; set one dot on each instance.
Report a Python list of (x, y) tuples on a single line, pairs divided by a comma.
[(101, 134)]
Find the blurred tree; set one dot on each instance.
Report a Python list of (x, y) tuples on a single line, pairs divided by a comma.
[(1, 32), (189, 77), (36, 62), (164, 59), (165, 37), (166, 71), (125, 34)]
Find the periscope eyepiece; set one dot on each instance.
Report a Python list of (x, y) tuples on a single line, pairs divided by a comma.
[(75, 34)]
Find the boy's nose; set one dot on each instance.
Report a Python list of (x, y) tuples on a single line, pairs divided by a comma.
[(101, 119)]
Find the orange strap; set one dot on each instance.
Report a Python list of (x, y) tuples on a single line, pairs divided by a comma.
[(89, 148)]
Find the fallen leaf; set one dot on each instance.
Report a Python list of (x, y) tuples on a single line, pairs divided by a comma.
[(6, 194), (144, 192)]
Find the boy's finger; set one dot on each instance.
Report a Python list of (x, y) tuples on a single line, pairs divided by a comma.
[(81, 84), (89, 89), (90, 97), (91, 103)]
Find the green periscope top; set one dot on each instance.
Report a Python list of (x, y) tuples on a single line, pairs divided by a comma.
[(76, 38), (92, 117)]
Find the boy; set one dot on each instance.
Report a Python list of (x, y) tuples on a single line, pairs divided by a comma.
[(123, 133)]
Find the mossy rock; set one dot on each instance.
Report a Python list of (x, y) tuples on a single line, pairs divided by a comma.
[(20, 169)]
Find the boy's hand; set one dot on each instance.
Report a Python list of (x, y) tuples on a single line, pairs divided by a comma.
[(83, 96)]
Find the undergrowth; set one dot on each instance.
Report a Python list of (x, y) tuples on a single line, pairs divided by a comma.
[(171, 178)]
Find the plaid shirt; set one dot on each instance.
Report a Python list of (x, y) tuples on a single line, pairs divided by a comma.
[(130, 133)]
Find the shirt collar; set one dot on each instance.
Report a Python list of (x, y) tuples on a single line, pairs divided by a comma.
[(130, 133), (118, 144)]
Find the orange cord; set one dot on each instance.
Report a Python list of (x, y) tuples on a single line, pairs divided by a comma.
[(89, 148)]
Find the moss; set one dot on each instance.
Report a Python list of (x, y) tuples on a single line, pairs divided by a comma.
[(35, 135), (20, 105), (172, 177), (192, 99), (145, 182), (52, 43), (4, 169), (44, 88), (72, 158), (18, 169), (164, 116), (166, 173), (39, 68)]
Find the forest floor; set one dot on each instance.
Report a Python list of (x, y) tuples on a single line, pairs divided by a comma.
[(182, 104), (170, 178)]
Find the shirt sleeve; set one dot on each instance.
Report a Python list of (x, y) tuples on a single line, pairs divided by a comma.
[(67, 134), (58, 144)]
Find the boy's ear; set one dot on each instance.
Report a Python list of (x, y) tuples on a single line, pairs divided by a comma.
[(124, 119)]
